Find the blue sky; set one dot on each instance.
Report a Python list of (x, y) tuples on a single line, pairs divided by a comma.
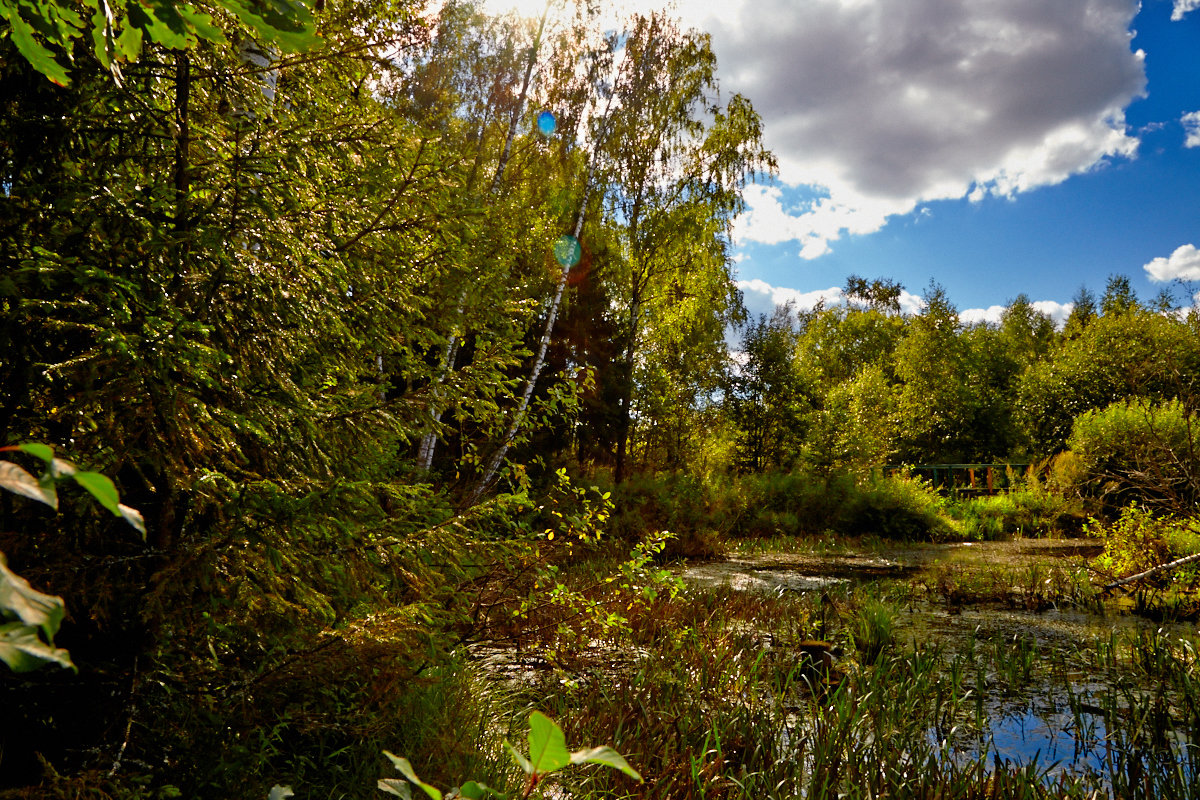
[(996, 147)]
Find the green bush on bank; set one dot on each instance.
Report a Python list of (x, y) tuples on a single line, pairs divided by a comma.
[(705, 512), (1030, 511), (1140, 539), (1137, 450)]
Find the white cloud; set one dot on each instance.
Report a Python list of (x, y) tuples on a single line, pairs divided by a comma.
[(761, 298), (1182, 7), (882, 106), (1191, 127), (1054, 310), (973, 316), (911, 303), (1058, 312), (1183, 264)]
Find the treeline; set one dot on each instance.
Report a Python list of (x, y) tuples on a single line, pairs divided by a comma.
[(342, 321), (855, 387)]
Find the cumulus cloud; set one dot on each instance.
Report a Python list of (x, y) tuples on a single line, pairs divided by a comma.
[(1058, 312), (1191, 128), (1183, 264), (885, 105), (973, 316), (1054, 310), (761, 297), (1182, 7)]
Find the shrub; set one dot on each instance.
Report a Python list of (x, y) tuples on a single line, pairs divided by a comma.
[(898, 507), (1139, 540), (1137, 451), (1030, 510)]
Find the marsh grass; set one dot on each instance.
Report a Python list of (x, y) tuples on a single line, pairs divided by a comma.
[(871, 629), (1030, 510), (1032, 587), (709, 692), (720, 703)]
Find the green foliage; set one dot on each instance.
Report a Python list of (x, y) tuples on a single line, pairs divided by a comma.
[(870, 629), (1029, 509), (941, 403), (548, 754), (1138, 450), (118, 28), (766, 397), (898, 508), (675, 163), (798, 503), (31, 618), (857, 427), (1114, 357), (1139, 540)]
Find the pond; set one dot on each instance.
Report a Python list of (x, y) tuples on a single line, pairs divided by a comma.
[(1055, 679)]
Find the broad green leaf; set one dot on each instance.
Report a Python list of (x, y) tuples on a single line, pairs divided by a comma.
[(280, 793), (170, 32), (28, 604), (547, 745), (607, 756), (293, 31), (167, 13), (407, 771), (38, 56), (202, 24), (129, 43), (395, 786), (521, 760), (43, 451), (478, 791), (63, 23), (100, 488), (19, 481), (23, 651), (102, 34)]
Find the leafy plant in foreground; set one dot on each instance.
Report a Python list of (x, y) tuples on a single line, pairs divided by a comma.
[(547, 754), (27, 614)]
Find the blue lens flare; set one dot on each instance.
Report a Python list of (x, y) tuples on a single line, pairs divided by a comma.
[(546, 123), (568, 251)]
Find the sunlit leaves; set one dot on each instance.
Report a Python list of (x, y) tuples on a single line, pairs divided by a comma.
[(18, 480), (548, 754), (118, 28), (28, 612)]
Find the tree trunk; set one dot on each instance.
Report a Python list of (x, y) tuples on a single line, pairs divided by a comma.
[(429, 440), (1150, 573)]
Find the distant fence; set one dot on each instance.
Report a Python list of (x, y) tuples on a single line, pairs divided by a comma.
[(963, 478)]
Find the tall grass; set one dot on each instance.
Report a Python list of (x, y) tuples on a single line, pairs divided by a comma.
[(1027, 511), (720, 702), (705, 513)]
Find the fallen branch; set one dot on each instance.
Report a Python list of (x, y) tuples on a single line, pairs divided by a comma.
[(1179, 562)]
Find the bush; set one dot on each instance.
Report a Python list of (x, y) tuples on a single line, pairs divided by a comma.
[(1140, 540), (778, 504), (1031, 510), (1138, 451), (899, 508)]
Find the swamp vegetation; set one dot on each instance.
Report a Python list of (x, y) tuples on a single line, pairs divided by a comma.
[(364, 389)]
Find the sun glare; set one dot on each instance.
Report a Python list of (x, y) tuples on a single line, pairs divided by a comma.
[(531, 9)]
